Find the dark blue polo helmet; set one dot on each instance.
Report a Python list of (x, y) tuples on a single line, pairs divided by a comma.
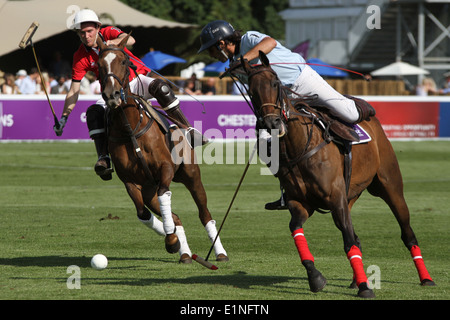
[(213, 32)]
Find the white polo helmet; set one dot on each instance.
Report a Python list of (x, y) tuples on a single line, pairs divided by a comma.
[(85, 15)]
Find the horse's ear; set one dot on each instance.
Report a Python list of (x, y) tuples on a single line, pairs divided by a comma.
[(264, 59), (100, 43), (124, 41)]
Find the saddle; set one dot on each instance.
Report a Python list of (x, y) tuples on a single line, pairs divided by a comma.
[(334, 130)]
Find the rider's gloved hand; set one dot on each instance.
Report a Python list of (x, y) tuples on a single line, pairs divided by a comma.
[(62, 123)]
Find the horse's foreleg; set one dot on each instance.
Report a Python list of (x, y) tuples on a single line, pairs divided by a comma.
[(342, 219), (143, 214), (299, 215), (185, 251)]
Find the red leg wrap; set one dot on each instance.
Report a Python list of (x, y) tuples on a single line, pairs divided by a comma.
[(355, 258), (302, 245), (420, 265)]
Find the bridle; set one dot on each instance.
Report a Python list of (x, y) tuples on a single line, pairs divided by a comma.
[(124, 83), (279, 103)]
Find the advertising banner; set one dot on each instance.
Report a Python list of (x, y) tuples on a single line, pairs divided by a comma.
[(217, 117)]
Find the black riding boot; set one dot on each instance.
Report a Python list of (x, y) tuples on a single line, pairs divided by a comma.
[(103, 165)]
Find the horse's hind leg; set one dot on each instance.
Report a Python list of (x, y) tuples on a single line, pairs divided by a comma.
[(191, 178), (299, 215), (388, 185)]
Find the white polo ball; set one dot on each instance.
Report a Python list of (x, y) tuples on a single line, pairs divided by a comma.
[(99, 262)]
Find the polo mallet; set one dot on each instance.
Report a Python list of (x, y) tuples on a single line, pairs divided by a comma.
[(205, 262), (27, 39)]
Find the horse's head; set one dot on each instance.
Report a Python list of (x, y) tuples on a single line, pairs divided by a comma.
[(266, 93), (113, 66)]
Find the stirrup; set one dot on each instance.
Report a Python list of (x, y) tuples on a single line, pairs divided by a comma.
[(279, 204), (195, 138)]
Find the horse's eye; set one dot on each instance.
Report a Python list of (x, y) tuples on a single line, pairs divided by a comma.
[(124, 62)]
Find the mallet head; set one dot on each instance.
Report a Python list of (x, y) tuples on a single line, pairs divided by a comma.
[(28, 35), (204, 263)]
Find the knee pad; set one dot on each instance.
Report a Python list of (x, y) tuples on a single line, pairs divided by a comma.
[(95, 119), (163, 94)]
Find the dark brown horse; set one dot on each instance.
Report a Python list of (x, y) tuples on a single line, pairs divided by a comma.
[(311, 172), (147, 160)]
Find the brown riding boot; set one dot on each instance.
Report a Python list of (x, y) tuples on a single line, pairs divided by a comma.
[(103, 165)]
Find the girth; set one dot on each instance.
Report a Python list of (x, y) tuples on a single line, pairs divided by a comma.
[(133, 135), (290, 163)]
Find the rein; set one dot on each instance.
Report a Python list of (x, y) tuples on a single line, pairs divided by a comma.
[(125, 93)]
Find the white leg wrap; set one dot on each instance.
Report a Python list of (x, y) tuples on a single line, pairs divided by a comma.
[(154, 224), (212, 233), (166, 212), (184, 247)]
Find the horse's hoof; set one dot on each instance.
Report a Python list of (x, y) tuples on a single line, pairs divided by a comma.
[(427, 283), (222, 258), (365, 292), (316, 282), (185, 258), (172, 243)]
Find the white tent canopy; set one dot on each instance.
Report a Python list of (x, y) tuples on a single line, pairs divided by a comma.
[(54, 17), (399, 68)]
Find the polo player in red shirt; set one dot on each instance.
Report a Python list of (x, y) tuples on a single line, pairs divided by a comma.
[(88, 27)]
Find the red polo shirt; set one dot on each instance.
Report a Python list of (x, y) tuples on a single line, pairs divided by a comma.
[(85, 58)]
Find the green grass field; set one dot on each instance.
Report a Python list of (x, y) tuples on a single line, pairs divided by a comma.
[(54, 211)]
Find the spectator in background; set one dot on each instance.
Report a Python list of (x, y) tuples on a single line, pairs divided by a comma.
[(9, 87), (20, 75), (94, 85), (209, 88), (60, 87), (197, 83), (427, 87), (238, 87), (29, 84), (189, 88), (446, 87)]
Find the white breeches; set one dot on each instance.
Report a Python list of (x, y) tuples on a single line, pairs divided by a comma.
[(138, 85), (310, 82)]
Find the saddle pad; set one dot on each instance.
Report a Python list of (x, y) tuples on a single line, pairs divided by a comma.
[(363, 135)]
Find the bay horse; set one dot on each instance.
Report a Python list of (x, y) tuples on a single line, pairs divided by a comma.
[(311, 171), (143, 155)]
